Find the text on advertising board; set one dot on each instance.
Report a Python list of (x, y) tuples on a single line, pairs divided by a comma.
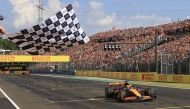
[(177, 78), (163, 77), (147, 76), (134, 76)]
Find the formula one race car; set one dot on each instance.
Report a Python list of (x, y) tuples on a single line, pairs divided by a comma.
[(125, 92)]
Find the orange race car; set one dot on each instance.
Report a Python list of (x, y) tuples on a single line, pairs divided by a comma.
[(125, 92)]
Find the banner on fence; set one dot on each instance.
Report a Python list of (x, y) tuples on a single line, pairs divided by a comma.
[(37, 58), (146, 76)]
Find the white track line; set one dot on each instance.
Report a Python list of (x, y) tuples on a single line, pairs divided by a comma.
[(14, 104), (174, 107), (77, 100)]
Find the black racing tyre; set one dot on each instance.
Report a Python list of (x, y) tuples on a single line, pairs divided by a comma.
[(108, 92), (146, 91), (150, 92), (121, 95)]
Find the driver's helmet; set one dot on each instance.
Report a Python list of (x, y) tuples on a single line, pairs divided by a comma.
[(126, 82)]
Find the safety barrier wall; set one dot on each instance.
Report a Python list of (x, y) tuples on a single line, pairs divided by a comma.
[(62, 72), (1, 72), (22, 72), (140, 76), (174, 78)]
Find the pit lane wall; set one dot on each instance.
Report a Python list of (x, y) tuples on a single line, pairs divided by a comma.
[(140, 76)]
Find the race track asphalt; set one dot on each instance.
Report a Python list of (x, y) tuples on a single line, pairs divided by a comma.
[(70, 93)]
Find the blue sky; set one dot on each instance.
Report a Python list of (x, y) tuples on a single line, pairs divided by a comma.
[(97, 15)]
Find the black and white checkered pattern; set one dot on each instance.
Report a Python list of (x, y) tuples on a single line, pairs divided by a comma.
[(59, 31)]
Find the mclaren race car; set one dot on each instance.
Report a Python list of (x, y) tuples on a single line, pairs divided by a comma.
[(125, 92)]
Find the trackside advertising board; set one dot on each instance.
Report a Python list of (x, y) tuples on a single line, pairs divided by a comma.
[(13, 68), (136, 76), (37, 58)]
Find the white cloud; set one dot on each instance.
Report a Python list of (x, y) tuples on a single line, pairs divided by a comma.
[(148, 20), (98, 20), (52, 7), (76, 5), (25, 11), (97, 16), (152, 18), (104, 21), (107, 20), (96, 5)]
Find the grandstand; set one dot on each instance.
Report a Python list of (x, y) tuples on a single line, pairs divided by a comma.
[(138, 45), (172, 37)]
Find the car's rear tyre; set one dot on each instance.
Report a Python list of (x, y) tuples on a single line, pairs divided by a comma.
[(108, 92), (150, 92)]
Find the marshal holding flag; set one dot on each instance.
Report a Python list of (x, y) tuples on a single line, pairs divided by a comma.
[(59, 31)]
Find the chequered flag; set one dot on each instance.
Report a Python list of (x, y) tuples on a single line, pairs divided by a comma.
[(59, 31)]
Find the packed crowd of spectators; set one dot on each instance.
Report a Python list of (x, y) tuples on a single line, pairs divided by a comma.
[(176, 33), (92, 53)]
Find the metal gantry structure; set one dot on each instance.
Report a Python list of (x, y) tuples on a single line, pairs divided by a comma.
[(40, 11)]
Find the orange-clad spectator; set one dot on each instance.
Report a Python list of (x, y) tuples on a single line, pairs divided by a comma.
[(2, 30)]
